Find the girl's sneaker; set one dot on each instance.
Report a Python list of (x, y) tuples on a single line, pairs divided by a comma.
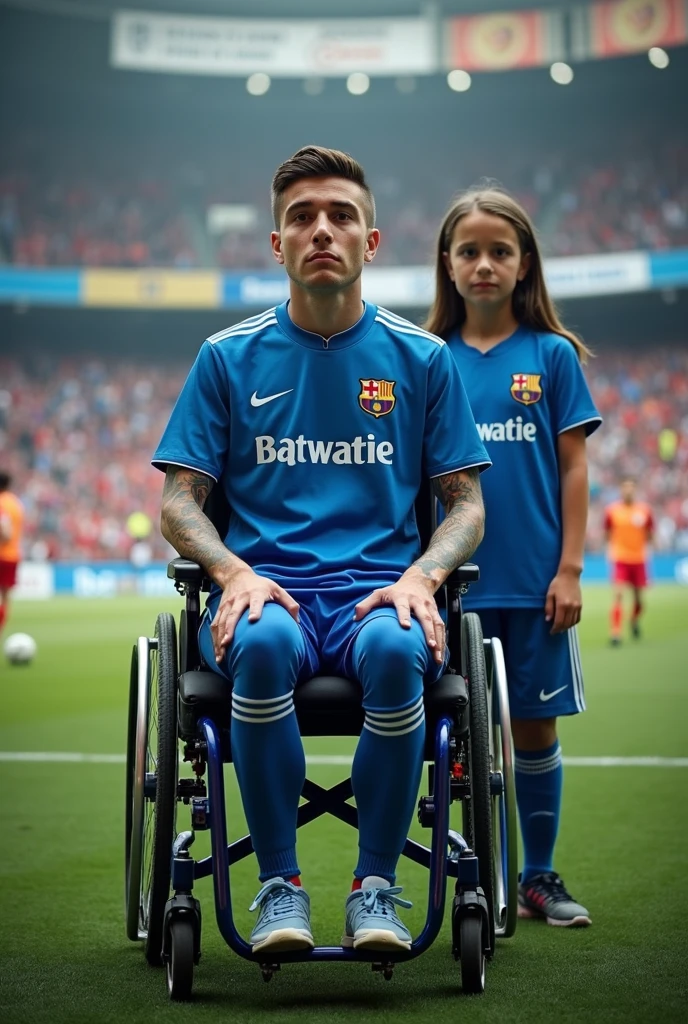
[(545, 895)]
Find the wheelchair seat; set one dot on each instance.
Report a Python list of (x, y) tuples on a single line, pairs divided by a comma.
[(325, 705)]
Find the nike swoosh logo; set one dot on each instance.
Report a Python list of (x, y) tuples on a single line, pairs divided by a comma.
[(256, 401), (548, 696)]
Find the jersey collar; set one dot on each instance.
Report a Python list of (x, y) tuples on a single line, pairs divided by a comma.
[(345, 339), (496, 350)]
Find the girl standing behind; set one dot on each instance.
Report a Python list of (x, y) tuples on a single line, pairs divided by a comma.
[(522, 371)]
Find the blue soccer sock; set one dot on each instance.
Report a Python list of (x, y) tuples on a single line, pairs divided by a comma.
[(539, 777), (390, 663), (264, 662)]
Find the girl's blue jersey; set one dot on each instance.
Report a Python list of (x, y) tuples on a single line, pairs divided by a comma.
[(524, 392), (321, 446)]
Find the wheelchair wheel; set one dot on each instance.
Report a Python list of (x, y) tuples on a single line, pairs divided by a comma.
[(132, 917), (152, 786), (181, 962), (504, 819), (472, 954), (477, 810)]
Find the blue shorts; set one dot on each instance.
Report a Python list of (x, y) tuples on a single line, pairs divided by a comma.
[(326, 618), (543, 671)]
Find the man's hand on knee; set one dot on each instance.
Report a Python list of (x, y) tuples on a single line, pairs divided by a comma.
[(412, 595), (246, 589)]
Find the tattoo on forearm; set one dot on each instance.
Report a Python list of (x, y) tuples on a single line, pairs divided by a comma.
[(183, 522), (457, 537)]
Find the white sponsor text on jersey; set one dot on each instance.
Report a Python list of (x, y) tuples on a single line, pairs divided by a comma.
[(341, 453), (512, 430)]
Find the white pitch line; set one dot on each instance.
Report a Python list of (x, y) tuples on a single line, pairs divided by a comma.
[(68, 757), (626, 762), (60, 757)]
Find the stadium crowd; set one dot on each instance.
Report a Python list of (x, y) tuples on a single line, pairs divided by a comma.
[(644, 402), (76, 437), (636, 200)]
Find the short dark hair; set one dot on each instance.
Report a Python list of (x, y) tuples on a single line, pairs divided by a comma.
[(5, 480), (318, 162)]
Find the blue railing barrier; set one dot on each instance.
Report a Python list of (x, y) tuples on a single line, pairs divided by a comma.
[(398, 287)]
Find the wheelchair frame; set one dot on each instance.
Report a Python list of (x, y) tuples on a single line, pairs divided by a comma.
[(172, 933)]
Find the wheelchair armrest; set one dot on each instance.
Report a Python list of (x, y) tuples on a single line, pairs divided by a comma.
[(183, 570), (465, 574)]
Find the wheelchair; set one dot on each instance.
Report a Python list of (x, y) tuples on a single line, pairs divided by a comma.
[(181, 711)]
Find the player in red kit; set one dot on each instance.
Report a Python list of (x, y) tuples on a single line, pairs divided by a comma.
[(629, 528)]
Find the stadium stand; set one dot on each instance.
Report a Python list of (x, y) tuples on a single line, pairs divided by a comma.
[(76, 436), (582, 204)]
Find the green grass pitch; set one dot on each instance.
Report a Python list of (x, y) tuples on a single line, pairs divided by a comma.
[(622, 850)]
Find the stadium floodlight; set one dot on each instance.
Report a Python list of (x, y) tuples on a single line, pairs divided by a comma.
[(313, 86), (459, 81), (561, 73), (358, 83), (258, 83), (658, 57)]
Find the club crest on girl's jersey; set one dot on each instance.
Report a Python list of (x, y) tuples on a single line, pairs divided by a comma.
[(525, 388), (377, 396)]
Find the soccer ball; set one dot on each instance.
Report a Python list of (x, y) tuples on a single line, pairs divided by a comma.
[(20, 648)]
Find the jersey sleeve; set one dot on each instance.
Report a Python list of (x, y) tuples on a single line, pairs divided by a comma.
[(573, 404), (197, 434), (451, 440), (608, 519)]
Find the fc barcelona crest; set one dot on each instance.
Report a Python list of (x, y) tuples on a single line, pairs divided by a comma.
[(377, 396), (525, 388)]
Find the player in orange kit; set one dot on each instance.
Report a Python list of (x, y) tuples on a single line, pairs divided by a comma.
[(629, 527), (11, 523)]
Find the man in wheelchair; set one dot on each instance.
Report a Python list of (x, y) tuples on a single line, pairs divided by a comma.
[(319, 418)]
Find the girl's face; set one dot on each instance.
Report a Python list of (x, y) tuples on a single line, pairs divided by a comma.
[(484, 259)]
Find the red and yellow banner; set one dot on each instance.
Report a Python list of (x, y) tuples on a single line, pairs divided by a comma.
[(624, 26), (492, 42)]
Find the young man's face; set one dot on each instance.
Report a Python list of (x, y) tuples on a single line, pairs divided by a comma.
[(324, 239)]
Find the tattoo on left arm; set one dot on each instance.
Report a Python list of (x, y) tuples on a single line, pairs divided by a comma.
[(457, 537)]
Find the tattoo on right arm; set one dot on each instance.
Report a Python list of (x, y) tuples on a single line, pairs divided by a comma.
[(187, 528)]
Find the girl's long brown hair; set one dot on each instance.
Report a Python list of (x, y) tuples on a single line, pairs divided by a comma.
[(532, 304)]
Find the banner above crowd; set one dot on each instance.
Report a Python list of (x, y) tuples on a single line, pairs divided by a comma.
[(283, 47), (492, 42), (617, 27), (330, 47)]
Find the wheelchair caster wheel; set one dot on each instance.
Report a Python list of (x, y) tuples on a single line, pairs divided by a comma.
[(386, 969), (472, 954), (181, 960), (267, 971)]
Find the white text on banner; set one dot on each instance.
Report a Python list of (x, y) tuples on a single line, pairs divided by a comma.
[(281, 47)]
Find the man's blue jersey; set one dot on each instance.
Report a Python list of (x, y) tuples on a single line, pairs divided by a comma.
[(320, 446), (524, 392)]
